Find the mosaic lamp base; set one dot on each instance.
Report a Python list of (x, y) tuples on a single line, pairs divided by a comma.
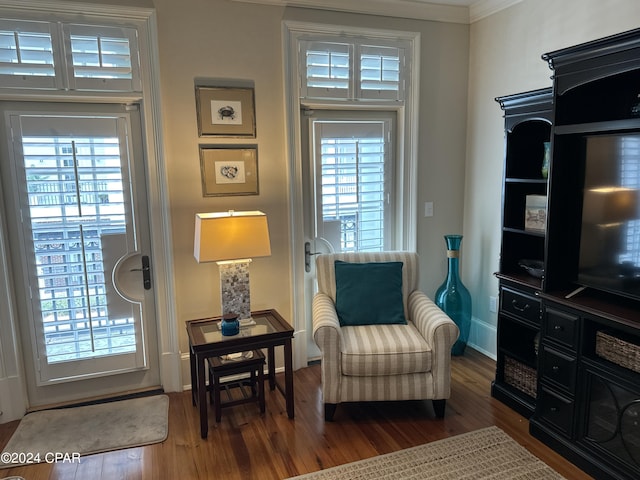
[(235, 295)]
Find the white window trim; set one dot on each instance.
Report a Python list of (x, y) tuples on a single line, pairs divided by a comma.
[(11, 370), (407, 123)]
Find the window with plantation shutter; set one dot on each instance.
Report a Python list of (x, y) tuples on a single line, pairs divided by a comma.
[(354, 173), (351, 69), (36, 55), (380, 69), (27, 57), (102, 58), (328, 69)]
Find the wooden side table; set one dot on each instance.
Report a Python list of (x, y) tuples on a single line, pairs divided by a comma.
[(269, 330), (219, 369)]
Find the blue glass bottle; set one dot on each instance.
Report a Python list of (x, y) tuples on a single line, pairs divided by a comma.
[(453, 297)]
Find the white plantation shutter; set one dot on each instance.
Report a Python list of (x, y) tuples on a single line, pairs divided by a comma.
[(102, 58), (356, 177), (27, 55), (327, 69), (36, 54), (351, 69), (380, 72)]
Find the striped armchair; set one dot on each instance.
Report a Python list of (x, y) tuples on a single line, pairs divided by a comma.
[(382, 362)]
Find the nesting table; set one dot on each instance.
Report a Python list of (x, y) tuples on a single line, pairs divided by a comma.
[(269, 330)]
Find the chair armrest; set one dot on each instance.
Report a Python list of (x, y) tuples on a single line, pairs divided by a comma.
[(326, 326), (328, 336), (440, 332)]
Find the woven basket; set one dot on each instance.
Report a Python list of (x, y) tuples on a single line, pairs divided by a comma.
[(520, 376), (618, 351)]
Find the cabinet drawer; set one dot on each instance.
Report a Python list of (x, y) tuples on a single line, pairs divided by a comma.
[(556, 410), (560, 327), (521, 305), (558, 368)]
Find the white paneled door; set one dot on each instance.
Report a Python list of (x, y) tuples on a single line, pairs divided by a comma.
[(75, 198), (350, 184)]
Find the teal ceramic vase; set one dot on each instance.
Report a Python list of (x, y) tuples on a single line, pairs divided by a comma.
[(230, 325), (453, 297), (546, 158)]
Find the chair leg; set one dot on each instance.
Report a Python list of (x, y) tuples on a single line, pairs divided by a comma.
[(438, 407), (329, 410)]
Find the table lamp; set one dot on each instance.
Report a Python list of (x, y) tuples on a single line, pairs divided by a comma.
[(232, 239)]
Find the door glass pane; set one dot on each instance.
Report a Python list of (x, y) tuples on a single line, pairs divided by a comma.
[(354, 175), (75, 196)]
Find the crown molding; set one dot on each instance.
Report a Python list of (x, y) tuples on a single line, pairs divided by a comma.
[(418, 9), (484, 8), (76, 8)]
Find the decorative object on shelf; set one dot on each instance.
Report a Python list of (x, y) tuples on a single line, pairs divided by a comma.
[(229, 170), (230, 325), (225, 112), (545, 160), (231, 239), (535, 268), (453, 297), (535, 215)]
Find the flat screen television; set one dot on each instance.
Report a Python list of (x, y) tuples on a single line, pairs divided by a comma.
[(609, 256)]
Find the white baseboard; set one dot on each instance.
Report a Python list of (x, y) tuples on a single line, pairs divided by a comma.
[(10, 407), (483, 337)]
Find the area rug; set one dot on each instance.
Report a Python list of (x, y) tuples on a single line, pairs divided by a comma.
[(88, 429), (488, 453)]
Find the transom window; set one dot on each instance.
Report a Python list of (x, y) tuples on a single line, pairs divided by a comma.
[(352, 70), (26, 52), (100, 58)]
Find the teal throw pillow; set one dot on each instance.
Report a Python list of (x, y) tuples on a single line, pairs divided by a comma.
[(369, 293)]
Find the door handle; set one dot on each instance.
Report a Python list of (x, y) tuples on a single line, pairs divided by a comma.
[(146, 272), (307, 256)]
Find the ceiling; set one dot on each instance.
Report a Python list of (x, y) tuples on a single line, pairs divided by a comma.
[(454, 11)]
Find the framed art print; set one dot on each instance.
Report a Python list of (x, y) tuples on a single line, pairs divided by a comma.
[(225, 112), (229, 170)]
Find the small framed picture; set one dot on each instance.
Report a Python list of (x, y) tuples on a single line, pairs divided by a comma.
[(225, 112), (229, 170)]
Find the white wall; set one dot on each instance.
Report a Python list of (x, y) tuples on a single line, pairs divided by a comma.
[(505, 52)]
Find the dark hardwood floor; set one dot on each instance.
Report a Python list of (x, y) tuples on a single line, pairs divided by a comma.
[(246, 445)]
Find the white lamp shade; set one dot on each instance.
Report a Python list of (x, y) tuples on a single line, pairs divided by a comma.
[(231, 236)]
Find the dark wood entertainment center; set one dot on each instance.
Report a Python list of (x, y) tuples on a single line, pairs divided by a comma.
[(568, 357)]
